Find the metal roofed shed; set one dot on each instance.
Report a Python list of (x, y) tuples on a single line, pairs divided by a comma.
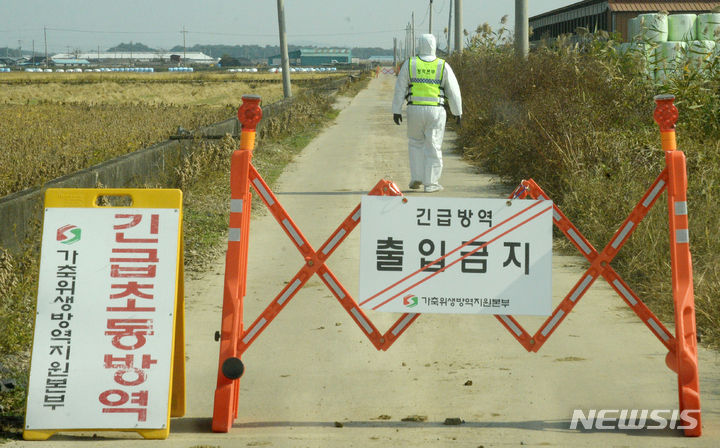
[(126, 57), (321, 56), (608, 15), (70, 62), (315, 57)]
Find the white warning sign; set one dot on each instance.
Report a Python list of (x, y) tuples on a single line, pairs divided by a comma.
[(104, 325), (456, 255)]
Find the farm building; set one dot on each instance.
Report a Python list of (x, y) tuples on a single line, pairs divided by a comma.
[(315, 56), (8, 61), (293, 56), (122, 57), (70, 62), (608, 15)]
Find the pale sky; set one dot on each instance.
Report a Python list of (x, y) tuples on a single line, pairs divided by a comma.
[(85, 24)]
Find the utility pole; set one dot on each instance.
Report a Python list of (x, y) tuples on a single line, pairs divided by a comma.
[(45, 35), (458, 27), (19, 48), (283, 50), (98, 54), (412, 36), (33, 58), (449, 28), (406, 54), (394, 52), (522, 33), (184, 33), (430, 27)]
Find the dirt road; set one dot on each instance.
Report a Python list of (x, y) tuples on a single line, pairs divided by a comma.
[(313, 380)]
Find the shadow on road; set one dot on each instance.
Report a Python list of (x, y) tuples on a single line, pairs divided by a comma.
[(195, 425), (321, 193)]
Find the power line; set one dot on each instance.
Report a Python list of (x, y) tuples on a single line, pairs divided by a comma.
[(425, 16), (215, 33), (348, 34), (69, 30), (43, 33), (23, 30), (442, 8)]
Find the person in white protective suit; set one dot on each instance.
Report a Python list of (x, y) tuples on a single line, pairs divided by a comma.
[(427, 82)]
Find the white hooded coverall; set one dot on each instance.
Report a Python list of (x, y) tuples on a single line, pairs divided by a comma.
[(426, 124)]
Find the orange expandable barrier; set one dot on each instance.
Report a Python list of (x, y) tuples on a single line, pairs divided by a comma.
[(235, 339)]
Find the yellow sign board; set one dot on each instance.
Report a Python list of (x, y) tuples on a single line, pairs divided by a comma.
[(108, 347)]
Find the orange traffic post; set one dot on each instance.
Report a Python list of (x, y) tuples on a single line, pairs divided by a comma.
[(230, 367), (684, 359)]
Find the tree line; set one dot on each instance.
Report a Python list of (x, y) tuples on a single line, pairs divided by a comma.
[(241, 52)]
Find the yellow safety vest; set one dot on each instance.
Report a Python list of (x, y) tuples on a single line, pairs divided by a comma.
[(425, 81)]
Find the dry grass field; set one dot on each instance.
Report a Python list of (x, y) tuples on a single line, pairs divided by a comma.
[(213, 89), (52, 124)]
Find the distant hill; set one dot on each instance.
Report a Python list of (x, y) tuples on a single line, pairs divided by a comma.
[(12, 52), (236, 51), (366, 52), (132, 46)]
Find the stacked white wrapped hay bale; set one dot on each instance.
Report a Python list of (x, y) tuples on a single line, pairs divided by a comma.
[(681, 27), (653, 27), (670, 57), (669, 43), (700, 54), (708, 26), (646, 32), (643, 54), (708, 34)]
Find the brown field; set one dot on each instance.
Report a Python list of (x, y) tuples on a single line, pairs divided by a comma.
[(52, 124), (215, 89)]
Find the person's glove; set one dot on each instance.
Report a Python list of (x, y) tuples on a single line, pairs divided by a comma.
[(458, 121), (397, 118)]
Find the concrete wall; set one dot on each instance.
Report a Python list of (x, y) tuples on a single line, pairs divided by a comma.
[(21, 212)]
